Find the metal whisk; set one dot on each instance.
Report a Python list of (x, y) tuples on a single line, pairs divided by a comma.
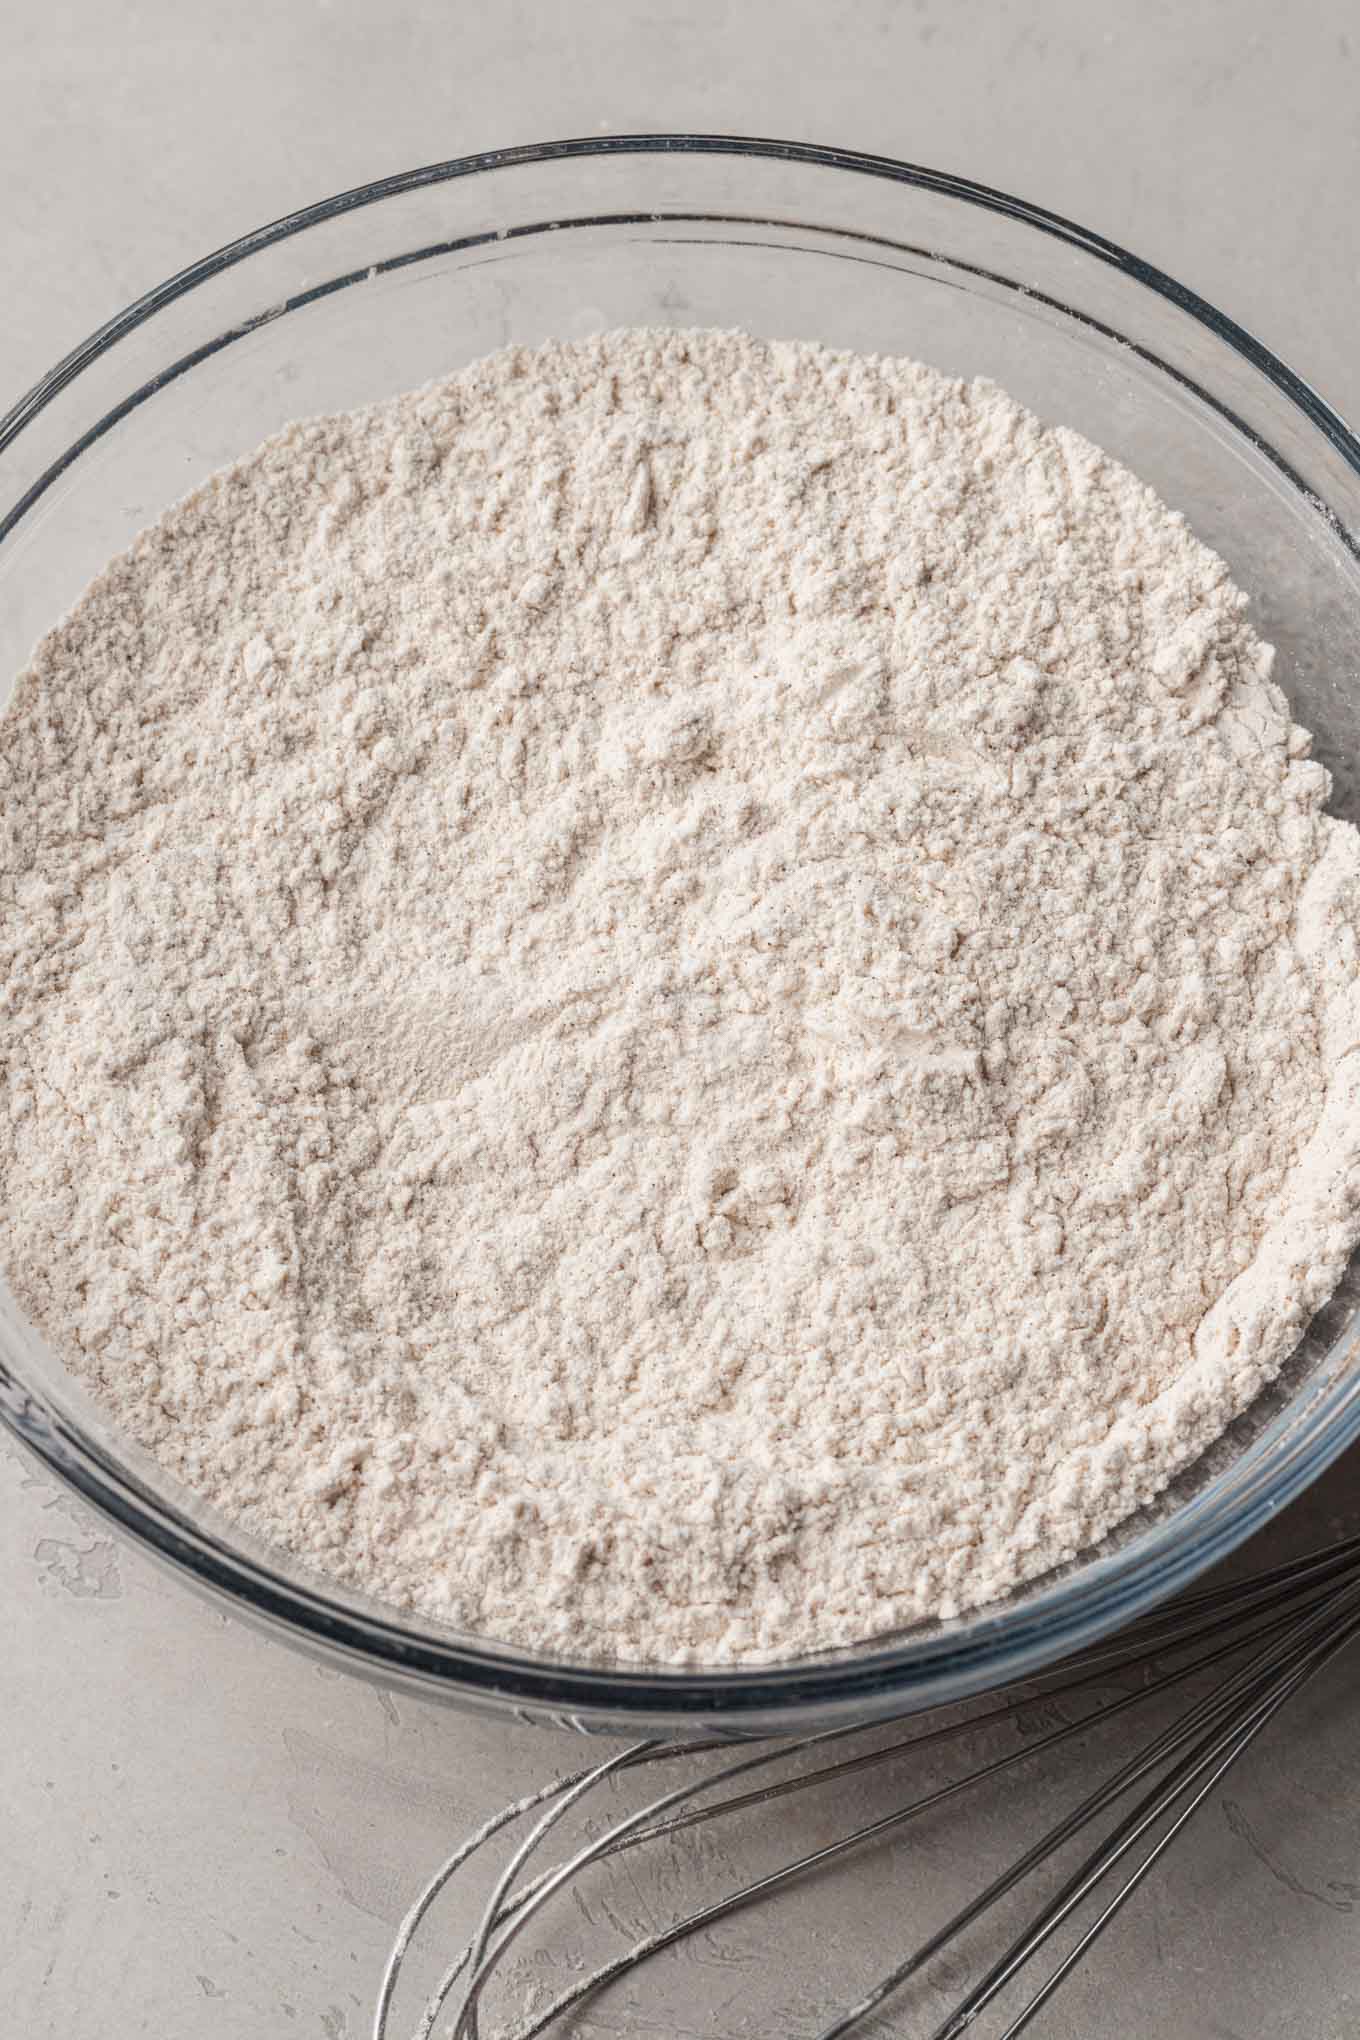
[(1261, 1639)]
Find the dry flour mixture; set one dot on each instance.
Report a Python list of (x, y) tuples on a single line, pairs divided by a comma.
[(682, 999)]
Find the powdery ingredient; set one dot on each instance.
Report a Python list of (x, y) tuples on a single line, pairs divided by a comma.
[(681, 999)]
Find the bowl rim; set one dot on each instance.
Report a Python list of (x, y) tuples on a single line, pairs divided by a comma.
[(958, 1658)]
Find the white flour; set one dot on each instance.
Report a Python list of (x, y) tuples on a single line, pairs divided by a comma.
[(681, 999)]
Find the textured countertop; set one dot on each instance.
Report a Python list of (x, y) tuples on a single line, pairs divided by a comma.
[(203, 1833)]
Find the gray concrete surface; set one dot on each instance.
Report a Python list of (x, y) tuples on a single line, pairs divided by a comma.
[(203, 1836)]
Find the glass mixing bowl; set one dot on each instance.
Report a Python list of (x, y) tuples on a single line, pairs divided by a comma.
[(400, 281)]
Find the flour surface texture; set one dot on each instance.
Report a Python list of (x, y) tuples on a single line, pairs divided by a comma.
[(681, 999)]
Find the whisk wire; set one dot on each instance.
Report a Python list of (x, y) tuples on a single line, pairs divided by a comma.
[(469, 1847), (716, 1910), (1289, 1621), (1209, 1709), (1236, 1748), (537, 1834), (555, 1879), (1215, 1752)]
